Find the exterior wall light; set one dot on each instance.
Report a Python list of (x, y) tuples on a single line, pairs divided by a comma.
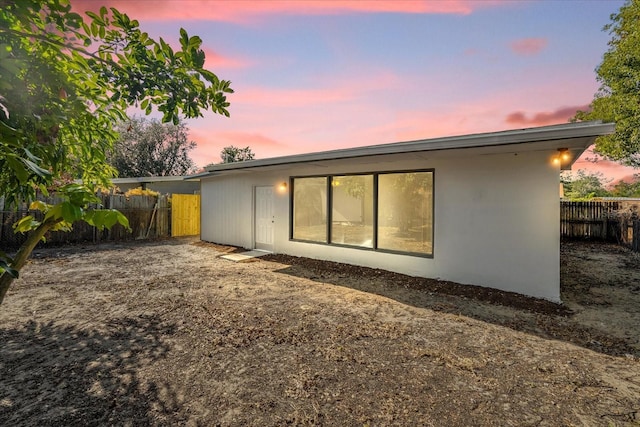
[(282, 187), (562, 156)]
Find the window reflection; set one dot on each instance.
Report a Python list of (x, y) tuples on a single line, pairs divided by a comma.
[(352, 210), (405, 212), (310, 209)]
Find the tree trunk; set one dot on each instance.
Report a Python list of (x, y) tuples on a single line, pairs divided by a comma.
[(23, 254)]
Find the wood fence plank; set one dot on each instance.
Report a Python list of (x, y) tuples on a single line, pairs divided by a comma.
[(589, 220)]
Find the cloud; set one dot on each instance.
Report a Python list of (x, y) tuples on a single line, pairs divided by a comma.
[(210, 143), (592, 162), (561, 115), (268, 97), (336, 91), (256, 141), (629, 179), (214, 60), (529, 46), (244, 11)]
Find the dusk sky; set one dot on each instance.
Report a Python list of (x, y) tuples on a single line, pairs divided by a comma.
[(318, 75)]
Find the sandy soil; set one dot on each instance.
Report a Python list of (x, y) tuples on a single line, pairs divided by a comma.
[(167, 333)]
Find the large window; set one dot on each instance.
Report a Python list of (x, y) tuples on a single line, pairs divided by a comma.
[(310, 209), (405, 212), (390, 211), (352, 210)]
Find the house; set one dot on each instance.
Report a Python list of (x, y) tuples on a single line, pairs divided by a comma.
[(477, 209), (161, 184)]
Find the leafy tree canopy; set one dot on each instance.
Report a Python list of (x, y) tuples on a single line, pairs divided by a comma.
[(627, 189), (65, 80), (151, 148), (232, 154), (584, 185), (618, 98)]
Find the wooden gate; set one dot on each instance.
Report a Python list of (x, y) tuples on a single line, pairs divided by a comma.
[(185, 215)]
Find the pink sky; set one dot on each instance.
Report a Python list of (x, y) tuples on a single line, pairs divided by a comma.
[(316, 75)]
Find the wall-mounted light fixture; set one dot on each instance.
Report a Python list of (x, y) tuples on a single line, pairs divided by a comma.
[(282, 187), (563, 156)]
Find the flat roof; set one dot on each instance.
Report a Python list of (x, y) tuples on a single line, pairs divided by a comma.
[(589, 130), (150, 179)]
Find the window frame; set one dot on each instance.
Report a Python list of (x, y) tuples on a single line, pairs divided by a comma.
[(329, 210)]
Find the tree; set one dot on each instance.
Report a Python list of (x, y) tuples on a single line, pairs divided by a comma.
[(583, 185), (232, 154), (618, 98), (627, 189), (65, 81), (151, 148)]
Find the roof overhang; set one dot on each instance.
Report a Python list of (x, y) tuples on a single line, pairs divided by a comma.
[(574, 137), (151, 179)]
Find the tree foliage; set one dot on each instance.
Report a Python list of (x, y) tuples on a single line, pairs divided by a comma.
[(232, 154), (65, 80), (627, 189), (151, 148), (584, 185), (618, 98)]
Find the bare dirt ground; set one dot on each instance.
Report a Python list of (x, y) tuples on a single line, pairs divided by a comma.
[(167, 333)]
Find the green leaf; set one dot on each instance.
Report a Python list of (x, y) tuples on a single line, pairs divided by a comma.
[(184, 39), (71, 212), (18, 169), (101, 218), (5, 266), (43, 173), (39, 205), (54, 213), (26, 224)]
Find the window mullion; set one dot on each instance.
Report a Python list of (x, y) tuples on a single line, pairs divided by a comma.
[(375, 212), (329, 207)]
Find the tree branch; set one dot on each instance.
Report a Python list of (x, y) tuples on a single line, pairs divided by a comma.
[(24, 252)]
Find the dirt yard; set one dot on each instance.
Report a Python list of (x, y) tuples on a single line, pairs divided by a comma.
[(167, 333)]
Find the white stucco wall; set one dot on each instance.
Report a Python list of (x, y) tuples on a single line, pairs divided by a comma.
[(496, 218)]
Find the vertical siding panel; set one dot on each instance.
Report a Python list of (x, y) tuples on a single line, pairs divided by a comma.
[(227, 211)]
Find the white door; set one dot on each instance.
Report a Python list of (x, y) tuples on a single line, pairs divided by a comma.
[(264, 218)]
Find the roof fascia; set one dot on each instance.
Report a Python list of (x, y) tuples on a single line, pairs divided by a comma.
[(510, 137)]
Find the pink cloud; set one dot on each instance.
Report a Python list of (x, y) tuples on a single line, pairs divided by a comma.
[(259, 143), (340, 91), (529, 46), (627, 178), (209, 144), (268, 97), (592, 162), (243, 11), (214, 60), (561, 115)]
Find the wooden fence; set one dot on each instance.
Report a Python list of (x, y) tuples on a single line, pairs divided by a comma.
[(612, 221), (149, 216), (589, 220)]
